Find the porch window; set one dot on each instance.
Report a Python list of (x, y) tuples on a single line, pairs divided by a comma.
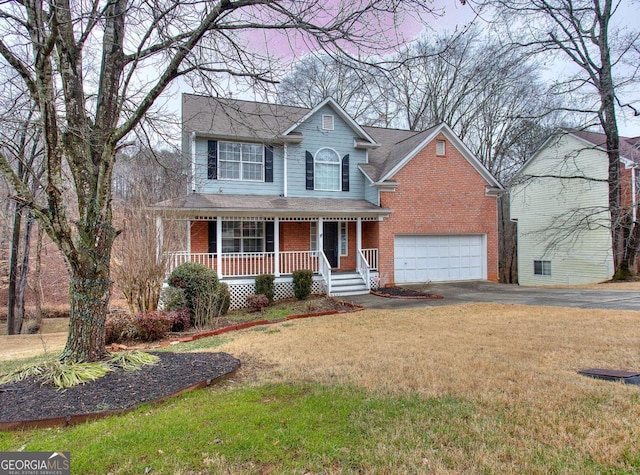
[(243, 236), (313, 235), (241, 161), (541, 267), (327, 170), (344, 239)]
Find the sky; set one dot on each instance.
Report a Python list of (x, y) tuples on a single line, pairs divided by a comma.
[(452, 16)]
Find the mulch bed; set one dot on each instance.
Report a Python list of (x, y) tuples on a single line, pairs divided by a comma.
[(404, 293), (30, 404)]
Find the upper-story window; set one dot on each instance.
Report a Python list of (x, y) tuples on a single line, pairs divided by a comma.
[(327, 170), (240, 161)]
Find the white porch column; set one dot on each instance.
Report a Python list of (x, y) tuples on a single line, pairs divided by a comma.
[(276, 245), (358, 234), (159, 238), (219, 247), (320, 236)]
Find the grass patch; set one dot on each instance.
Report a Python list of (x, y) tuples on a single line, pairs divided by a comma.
[(281, 428), (208, 343), (280, 310)]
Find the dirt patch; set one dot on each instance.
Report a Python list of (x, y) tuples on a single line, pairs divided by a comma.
[(119, 390), (404, 293)]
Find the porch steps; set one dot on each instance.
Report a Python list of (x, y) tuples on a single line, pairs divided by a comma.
[(351, 283)]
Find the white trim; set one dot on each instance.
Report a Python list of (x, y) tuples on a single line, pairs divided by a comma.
[(193, 162), (340, 111), (284, 163), (455, 141)]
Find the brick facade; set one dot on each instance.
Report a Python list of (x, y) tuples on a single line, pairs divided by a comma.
[(438, 195)]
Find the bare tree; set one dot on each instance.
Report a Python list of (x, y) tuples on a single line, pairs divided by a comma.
[(582, 32), (143, 177), (111, 61), (357, 87)]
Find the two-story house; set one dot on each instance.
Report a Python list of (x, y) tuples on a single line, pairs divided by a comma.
[(278, 188), (560, 201)]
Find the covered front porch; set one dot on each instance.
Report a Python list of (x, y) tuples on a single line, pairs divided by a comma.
[(340, 246)]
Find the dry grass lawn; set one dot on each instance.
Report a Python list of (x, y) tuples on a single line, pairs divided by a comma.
[(516, 364)]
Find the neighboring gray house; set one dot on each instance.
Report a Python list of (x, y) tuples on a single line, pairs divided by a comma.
[(560, 202)]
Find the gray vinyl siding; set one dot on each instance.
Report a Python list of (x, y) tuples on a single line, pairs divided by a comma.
[(233, 187), (547, 210), (371, 193), (341, 140)]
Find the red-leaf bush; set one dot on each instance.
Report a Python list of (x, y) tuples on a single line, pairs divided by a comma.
[(258, 302), (151, 326)]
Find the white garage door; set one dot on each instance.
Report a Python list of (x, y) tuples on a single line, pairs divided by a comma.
[(439, 258)]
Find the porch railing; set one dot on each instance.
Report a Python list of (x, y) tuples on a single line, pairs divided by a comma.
[(371, 256), (325, 270), (248, 264), (363, 268)]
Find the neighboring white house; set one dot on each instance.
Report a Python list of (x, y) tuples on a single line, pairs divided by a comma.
[(559, 200)]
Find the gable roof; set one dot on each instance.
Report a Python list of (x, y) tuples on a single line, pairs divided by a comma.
[(340, 111), (629, 146)]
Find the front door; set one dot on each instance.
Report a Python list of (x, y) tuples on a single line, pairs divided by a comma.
[(330, 242)]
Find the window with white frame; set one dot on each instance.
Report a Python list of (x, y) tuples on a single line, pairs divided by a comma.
[(344, 238), (240, 161), (242, 236), (313, 236), (541, 267), (327, 122), (440, 147), (327, 170)]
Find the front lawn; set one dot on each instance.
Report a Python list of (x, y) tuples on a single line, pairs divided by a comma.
[(461, 389)]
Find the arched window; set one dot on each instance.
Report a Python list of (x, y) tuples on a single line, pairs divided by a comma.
[(327, 170)]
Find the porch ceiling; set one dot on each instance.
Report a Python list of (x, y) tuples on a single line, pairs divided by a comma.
[(268, 206)]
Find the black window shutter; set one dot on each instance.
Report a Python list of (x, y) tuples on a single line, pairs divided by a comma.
[(269, 236), (345, 173), (268, 163), (212, 160), (213, 235), (309, 170)]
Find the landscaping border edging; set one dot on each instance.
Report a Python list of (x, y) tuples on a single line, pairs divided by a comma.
[(243, 326)]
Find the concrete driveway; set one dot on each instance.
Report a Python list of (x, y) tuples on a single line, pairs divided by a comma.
[(481, 291)]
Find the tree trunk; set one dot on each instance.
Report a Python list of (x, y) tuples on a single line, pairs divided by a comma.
[(24, 272), (89, 294), (13, 269), (37, 279)]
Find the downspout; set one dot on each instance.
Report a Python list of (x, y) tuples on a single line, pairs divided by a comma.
[(634, 198), (284, 159)]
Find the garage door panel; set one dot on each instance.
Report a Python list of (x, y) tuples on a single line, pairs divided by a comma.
[(422, 258)]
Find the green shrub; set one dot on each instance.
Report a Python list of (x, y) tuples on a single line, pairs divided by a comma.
[(302, 281), (194, 279), (172, 298), (210, 304), (204, 294), (265, 285)]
